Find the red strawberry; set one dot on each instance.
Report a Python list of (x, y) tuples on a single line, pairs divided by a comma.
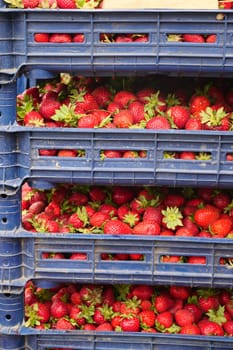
[(59, 309), (137, 110), (212, 38), (183, 317), (30, 4), (88, 121), (117, 227), (142, 292), (179, 115), (130, 323), (179, 292), (195, 310), (48, 107), (146, 228), (60, 38), (228, 328), (33, 118), (102, 96), (41, 37), (163, 321), (198, 103), (78, 38), (194, 38), (122, 195), (66, 4), (78, 256), (163, 302), (147, 318), (210, 328), (67, 153), (64, 324), (196, 260), (36, 313), (207, 300), (221, 227), (123, 119), (191, 329), (123, 98), (104, 327), (158, 122), (98, 219), (205, 216), (153, 214)]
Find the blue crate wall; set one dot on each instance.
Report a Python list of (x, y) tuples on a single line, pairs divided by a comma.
[(14, 335), (22, 259), (91, 57)]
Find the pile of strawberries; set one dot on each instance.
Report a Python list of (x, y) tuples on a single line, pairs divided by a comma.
[(119, 210), (81, 102), (130, 308), (77, 4)]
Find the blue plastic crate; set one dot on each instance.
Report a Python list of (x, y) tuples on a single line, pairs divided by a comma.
[(14, 335), (106, 341), (21, 159), (19, 51), (21, 259)]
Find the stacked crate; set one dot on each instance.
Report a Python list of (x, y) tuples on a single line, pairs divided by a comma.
[(23, 61)]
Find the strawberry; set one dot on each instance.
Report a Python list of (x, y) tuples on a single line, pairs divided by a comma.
[(67, 153), (121, 195), (194, 38), (146, 228), (30, 4), (196, 260), (102, 314), (164, 321), (60, 38), (36, 313), (228, 327), (48, 107), (130, 323), (98, 219), (41, 37), (123, 119), (102, 96), (152, 214), (104, 327), (111, 154), (88, 121), (195, 310), (221, 227), (137, 110), (59, 309), (179, 292), (198, 103), (142, 292), (205, 216), (158, 122), (179, 115), (183, 317), (191, 329), (210, 328), (66, 4), (65, 324), (218, 119), (212, 38), (207, 300), (34, 118), (147, 319), (123, 98), (78, 256), (117, 227), (163, 302), (78, 38)]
